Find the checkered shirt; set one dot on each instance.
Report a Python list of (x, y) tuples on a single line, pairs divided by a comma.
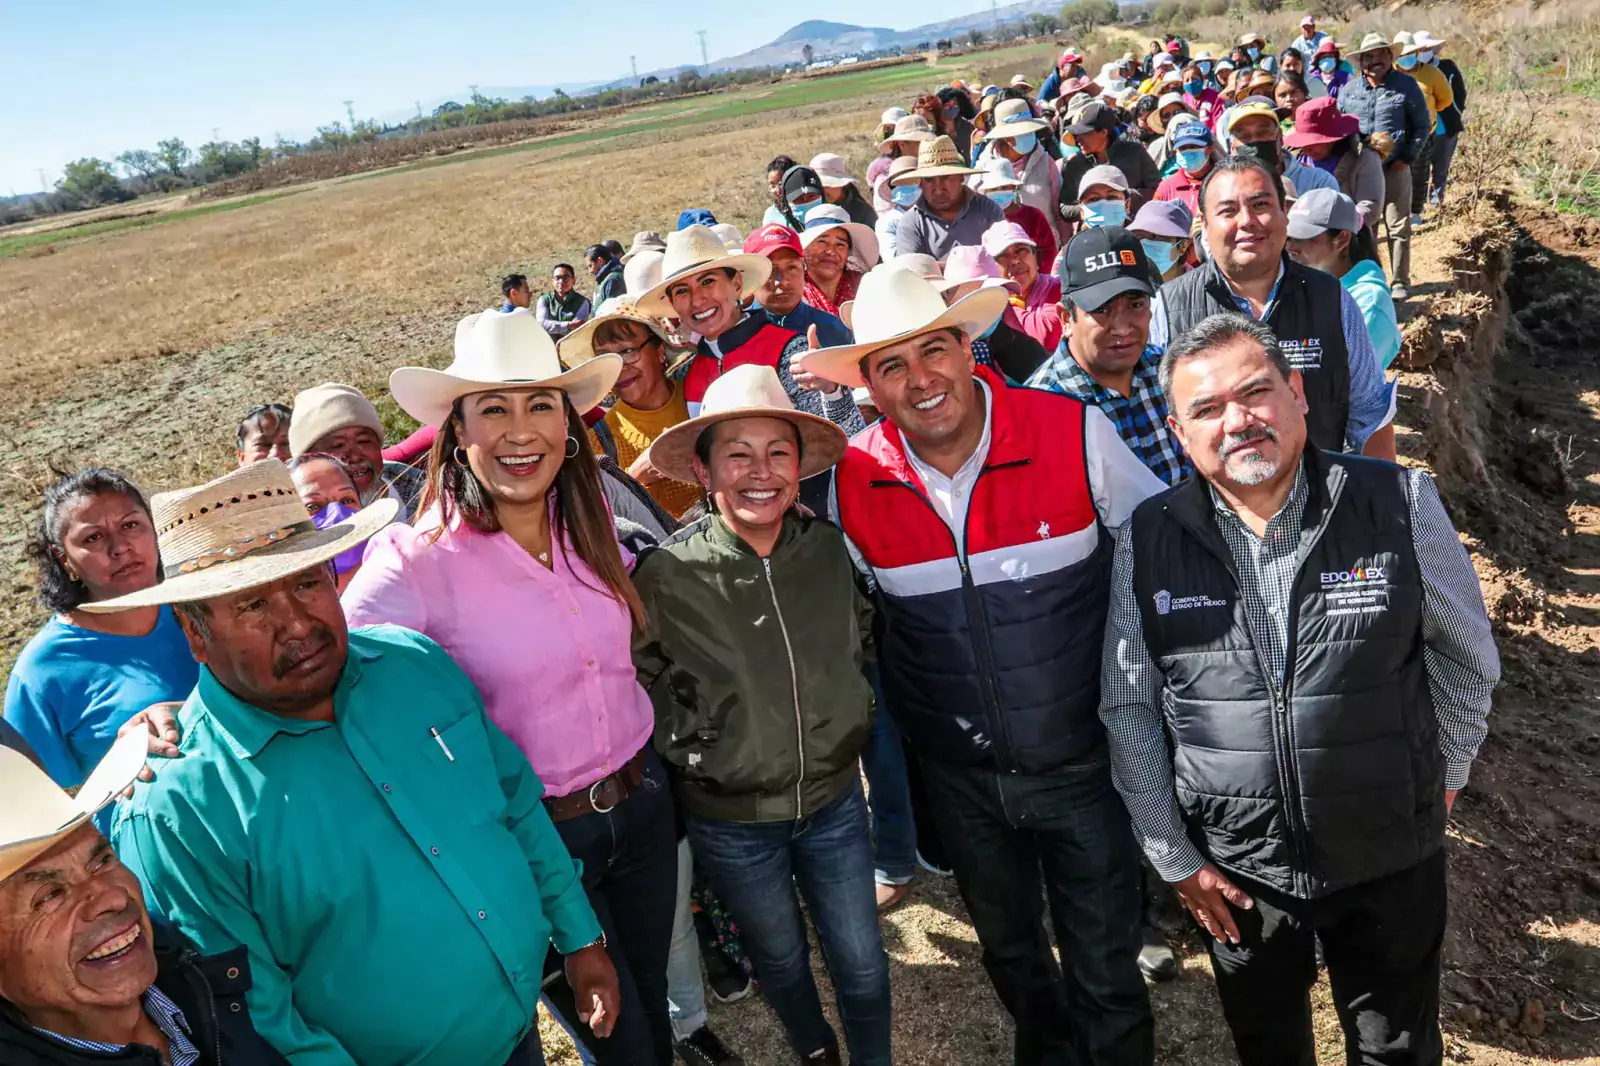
[(166, 1015), (1458, 653), (1140, 417)]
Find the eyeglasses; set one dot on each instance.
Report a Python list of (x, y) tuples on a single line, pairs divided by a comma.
[(632, 355)]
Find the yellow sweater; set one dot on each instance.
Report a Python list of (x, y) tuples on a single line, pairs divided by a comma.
[(1435, 88), (635, 430)]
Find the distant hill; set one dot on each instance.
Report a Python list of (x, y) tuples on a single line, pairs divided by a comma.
[(818, 30)]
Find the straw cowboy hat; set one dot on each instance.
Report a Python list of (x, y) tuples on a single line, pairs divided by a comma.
[(246, 529), (894, 304), (647, 240), (577, 347), (694, 250), (911, 128), (494, 350), (936, 159), (1372, 42), (863, 242), (748, 391), (1013, 119), (1020, 81), (36, 813)]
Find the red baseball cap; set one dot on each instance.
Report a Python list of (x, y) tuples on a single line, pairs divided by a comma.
[(771, 238)]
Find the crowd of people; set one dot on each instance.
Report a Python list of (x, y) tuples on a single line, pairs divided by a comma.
[(1024, 513)]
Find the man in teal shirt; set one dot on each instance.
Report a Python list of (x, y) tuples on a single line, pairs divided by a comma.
[(344, 809)]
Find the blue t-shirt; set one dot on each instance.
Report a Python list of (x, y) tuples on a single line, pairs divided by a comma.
[(72, 689)]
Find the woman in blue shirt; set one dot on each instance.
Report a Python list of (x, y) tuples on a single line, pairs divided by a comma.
[(1328, 233), (83, 675)]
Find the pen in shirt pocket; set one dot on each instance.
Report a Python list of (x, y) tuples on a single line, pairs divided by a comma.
[(442, 745)]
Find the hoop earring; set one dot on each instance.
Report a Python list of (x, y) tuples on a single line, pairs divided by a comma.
[(572, 447), (459, 455)]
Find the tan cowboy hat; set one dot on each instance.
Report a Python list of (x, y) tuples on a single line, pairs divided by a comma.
[(36, 813), (246, 529), (749, 391), (936, 159), (863, 241), (909, 128), (694, 250), (1020, 81), (1372, 42), (493, 350), (895, 304), (1013, 119), (577, 347), (646, 240)]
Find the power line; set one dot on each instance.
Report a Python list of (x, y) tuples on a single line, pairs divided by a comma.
[(705, 56)]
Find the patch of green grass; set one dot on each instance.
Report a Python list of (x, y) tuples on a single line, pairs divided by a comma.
[(11, 246)]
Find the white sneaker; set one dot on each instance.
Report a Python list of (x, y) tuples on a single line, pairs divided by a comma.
[(1416, 220)]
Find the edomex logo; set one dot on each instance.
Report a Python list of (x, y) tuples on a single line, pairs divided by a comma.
[(1361, 575)]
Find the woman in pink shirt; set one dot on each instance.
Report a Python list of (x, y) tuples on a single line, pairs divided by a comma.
[(1039, 301), (514, 569)]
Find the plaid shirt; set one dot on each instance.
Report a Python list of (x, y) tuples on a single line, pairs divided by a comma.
[(1140, 417), (168, 1018)]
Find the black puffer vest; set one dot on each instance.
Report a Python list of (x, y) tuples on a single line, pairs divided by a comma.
[(1330, 776), (1310, 329)]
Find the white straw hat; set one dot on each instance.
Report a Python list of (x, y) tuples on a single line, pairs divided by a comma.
[(694, 250), (909, 128), (863, 241), (1013, 118), (246, 529), (749, 391), (36, 813), (831, 170), (494, 350), (577, 347), (729, 234), (894, 304)]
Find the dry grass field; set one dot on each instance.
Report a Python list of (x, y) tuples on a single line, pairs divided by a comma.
[(139, 347)]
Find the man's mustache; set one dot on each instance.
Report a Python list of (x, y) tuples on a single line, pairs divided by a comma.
[(301, 650), (1235, 441)]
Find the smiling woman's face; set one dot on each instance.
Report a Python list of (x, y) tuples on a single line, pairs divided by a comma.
[(708, 302), (828, 253), (515, 440), (109, 543)]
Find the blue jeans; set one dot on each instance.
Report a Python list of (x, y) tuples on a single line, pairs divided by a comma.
[(1001, 832), (755, 868), (894, 831)]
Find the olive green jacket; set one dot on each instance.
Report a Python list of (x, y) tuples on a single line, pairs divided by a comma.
[(754, 668)]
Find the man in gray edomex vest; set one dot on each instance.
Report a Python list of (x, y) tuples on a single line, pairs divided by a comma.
[(1306, 630)]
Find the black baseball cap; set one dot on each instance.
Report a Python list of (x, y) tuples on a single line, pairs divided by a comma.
[(1094, 116), (1102, 263), (799, 181)]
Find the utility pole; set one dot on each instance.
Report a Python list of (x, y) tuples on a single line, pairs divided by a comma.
[(44, 182), (474, 97), (350, 111), (216, 134), (994, 9), (705, 57), (634, 62)]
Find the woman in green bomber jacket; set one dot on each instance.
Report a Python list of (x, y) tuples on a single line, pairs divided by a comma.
[(753, 662)]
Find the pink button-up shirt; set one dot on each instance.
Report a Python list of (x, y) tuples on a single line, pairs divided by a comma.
[(548, 649)]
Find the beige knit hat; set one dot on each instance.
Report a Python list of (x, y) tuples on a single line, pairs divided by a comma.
[(325, 409)]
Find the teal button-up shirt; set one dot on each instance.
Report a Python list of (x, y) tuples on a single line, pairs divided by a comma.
[(397, 892)]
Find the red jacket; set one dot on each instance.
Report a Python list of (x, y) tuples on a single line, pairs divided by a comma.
[(755, 340)]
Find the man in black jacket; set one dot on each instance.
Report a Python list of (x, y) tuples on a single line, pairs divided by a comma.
[(85, 975), (1296, 679)]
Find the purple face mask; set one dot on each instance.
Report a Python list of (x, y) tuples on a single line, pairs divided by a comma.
[(331, 515)]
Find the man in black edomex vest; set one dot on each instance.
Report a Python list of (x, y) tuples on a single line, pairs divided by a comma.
[(1303, 632)]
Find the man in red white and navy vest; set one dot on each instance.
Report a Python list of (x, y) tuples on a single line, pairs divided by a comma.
[(983, 514)]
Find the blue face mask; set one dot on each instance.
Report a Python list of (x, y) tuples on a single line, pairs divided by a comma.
[(1253, 52), (1205, 67), (1407, 63), (905, 195), (1427, 57), (1194, 88), (1004, 197), (800, 211), (1024, 143), (1327, 64), (331, 515), (1105, 213), (1192, 160), (1162, 255)]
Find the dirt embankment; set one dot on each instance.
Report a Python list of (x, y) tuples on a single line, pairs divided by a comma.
[(1501, 399)]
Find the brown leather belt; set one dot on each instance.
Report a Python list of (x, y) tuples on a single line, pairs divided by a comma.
[(602, 796)]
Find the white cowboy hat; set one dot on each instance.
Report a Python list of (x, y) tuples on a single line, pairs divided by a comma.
[(935, 159), (831, 170), (36, 813), (494, 350), (647, 240), (577, 347), (1372, 42), (246, 529), (749, 391), (1013, 118), (694, 250), (911, 128), (894, 304), (863, 242), (642, 271)]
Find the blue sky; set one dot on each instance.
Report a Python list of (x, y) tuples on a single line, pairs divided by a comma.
[(95, 78)]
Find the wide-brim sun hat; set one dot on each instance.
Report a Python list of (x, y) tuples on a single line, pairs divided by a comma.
[(749, 391), (936, 159), (901, 165), (1166, 101), (831, 170), (1372, 42), (693, 251), (648, 240), (1012, 119), (577, 347), (642, 271), (1320, 121), (998, 173), (863, 241), (36, 814), (894, 304), (1422, 40), (1020, 81), (498, 351), (912, 129), (246, 529)]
